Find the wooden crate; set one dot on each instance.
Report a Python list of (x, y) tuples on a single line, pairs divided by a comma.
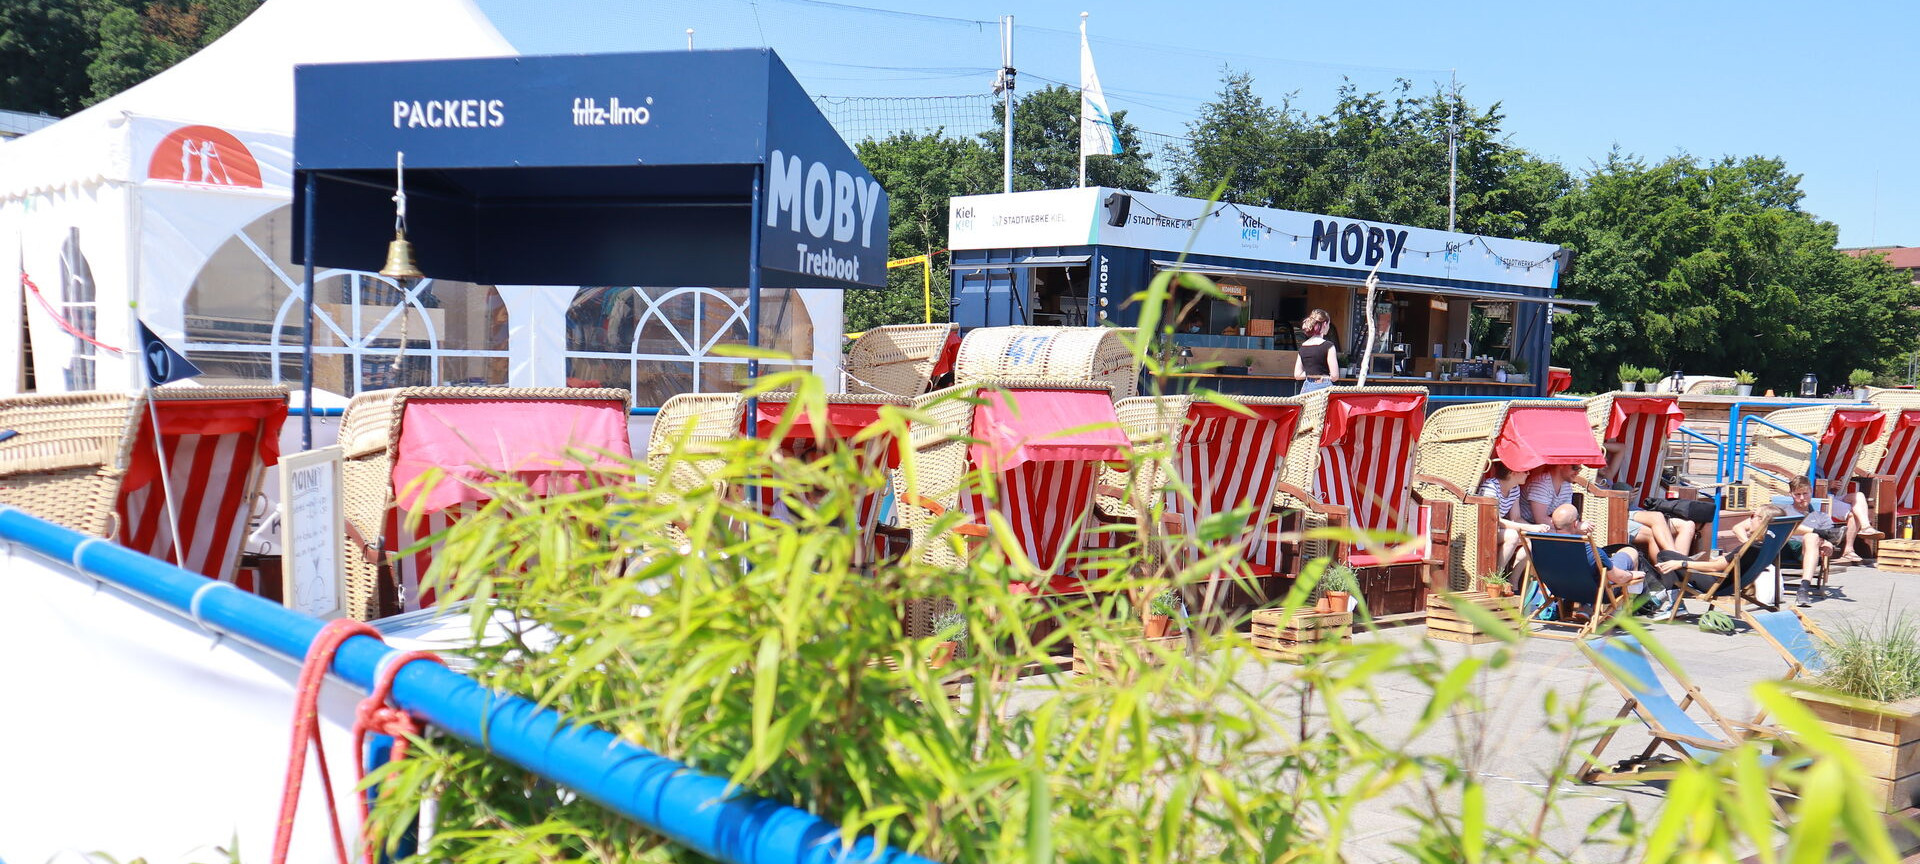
[(1279, 638), (1899, 556), (1445, 624), (1885, 738), (1107, 655)]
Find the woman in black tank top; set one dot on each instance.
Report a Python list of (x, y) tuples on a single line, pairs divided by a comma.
[(1317, 358)]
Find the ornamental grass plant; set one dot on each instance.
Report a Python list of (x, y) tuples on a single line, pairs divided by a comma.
[(1880, 662), (755, 648)]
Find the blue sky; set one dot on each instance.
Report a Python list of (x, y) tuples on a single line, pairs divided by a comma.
[(1830, 88)]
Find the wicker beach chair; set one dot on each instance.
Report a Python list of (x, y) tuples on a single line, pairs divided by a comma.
[(1350, 464), (1891, 464), (897, 359), (1643, 424), (393, 438), (88, 461), (1774, 457), (1209, 459), (1457, 448), (846, 416), (1049, 354), (1031, 450)]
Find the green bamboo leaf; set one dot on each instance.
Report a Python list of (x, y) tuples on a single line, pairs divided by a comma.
[(1039, 818), (766, 680)]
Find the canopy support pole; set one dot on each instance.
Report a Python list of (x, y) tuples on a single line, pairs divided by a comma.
[(753, 300), (306, 330)]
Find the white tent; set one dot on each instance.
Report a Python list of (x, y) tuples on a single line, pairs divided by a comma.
[(171, 201)]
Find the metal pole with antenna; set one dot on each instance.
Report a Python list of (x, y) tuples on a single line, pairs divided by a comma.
[(1005, 85), (1453, 142), (689, 38)]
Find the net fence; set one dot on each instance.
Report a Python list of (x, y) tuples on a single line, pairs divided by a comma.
[(860, 118)]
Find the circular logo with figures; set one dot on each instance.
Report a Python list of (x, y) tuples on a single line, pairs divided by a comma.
[(203, 156)]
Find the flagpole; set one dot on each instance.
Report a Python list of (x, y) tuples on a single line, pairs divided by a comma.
[(166, 479), (1083, 105)]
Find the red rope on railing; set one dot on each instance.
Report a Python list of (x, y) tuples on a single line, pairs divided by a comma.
[(61, 319), (374, 715)]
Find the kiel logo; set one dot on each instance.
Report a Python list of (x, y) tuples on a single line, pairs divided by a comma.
[(962, 218), (203, 156), (1356, 244)]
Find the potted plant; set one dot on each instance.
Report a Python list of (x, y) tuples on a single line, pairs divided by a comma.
[(1160, 614), (1743, 382), (1869, 694), (1860, 378), (1629, 376), (1336, 589), (1496, 584), (950, 629), (1649, 377)]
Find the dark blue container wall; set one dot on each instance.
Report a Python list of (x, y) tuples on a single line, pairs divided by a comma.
[(997, 298)]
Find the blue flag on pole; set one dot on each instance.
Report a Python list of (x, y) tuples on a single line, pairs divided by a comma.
[(163, 365)]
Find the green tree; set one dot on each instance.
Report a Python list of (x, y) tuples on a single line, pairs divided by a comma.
[(1713, 266), (136, 42), (1046, 145), (1373, 156), (920, 173), (44, 45)]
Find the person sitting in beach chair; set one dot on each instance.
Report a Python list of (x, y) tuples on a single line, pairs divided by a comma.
[(1763, 536), (1652, 531), (1505, 485), (1813, 543), (1568, 567)]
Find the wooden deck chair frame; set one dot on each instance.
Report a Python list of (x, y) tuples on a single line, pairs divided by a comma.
[(1295, 495), (69, 459), (1816, 640), (1608, 600), (1772, 542), (1891, 464), (1163, 425), (1086, 354), (943, 472), (895, 359), (1456, 451), (1666, 719), (869, 521), (370, 440)]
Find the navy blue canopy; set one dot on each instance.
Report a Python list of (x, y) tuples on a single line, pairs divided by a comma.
[(668, 168)]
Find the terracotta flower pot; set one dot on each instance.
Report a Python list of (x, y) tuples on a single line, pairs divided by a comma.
[(1157, 625), (1337, 601), (943, 653), (1324, 604)]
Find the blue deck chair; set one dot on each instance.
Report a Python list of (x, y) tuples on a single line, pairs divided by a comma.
[(1799, 641), (1630, 669), (1560, 565), (1766, 550)]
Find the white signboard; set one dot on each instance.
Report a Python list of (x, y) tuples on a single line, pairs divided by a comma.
[(311, 529), (1169, 223)]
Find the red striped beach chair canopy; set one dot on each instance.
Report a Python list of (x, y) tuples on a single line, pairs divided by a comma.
[(216, 450), (1642, 425), (1367, 442), (1043, 450), (1229, 459), (1902, 461), (1848, 433)]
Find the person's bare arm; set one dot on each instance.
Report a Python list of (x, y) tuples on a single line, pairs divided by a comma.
[(1299, 372)]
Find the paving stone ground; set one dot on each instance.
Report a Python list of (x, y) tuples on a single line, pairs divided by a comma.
[(1509, 736)]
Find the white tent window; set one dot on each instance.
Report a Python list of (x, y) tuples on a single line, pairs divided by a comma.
[(78, 305), (243, 322), (658, 342)]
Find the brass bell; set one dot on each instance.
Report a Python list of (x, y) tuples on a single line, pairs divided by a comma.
[(400, 264)]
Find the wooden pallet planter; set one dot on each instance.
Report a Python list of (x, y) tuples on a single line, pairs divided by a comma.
[(1884, 737), (1277, 637), (1107, 655), (1446, 624), (1899, 556)]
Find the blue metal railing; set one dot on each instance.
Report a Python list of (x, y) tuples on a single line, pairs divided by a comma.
[(691, 808), (1719, 468), (1740, 463)]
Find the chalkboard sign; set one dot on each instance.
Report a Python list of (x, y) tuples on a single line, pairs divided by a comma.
[(311, 529)]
